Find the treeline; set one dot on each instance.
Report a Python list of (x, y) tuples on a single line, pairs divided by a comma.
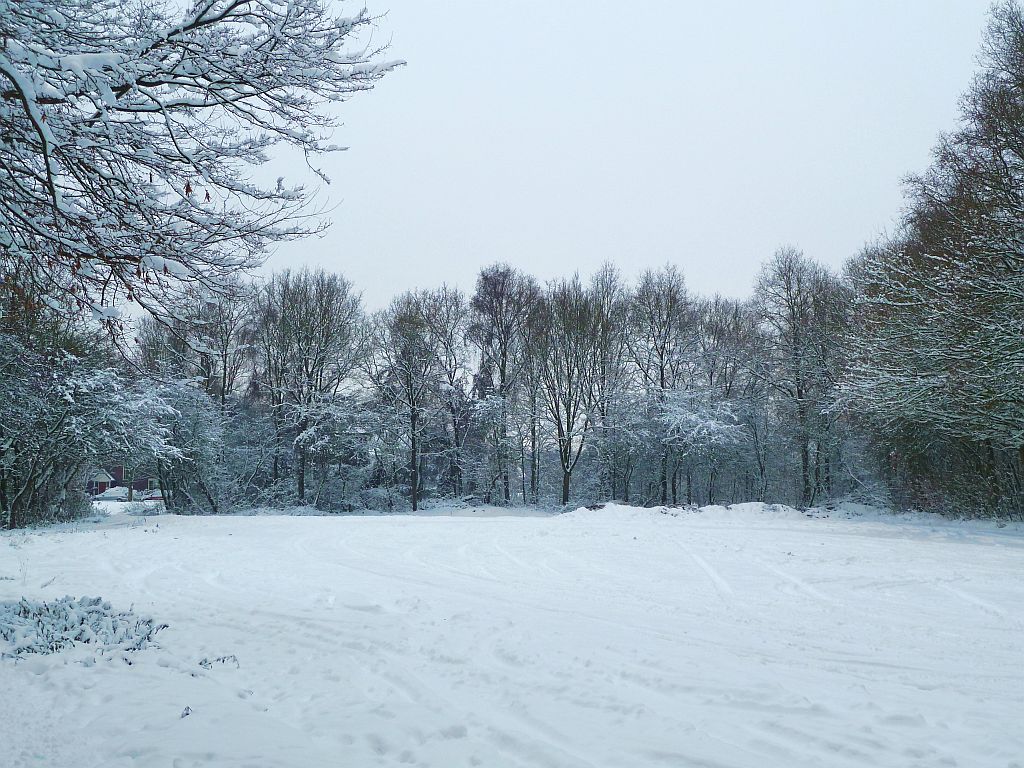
[(937, 353), (897, 380), (288, 392), (578, 390)]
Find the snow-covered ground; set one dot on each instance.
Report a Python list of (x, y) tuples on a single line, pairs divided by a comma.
[(618, 637)]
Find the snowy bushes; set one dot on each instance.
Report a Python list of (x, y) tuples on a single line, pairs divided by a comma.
[(38, 627), (61, 413)]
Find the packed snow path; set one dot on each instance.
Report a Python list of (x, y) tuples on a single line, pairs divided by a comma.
[(618, 637)]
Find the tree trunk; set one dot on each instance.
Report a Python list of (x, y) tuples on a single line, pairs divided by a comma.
[(275, 476), (805, 469), (9, 512), (817, 470), (503, 441), (414, 470), (535, 467), (992, 469), (805, 446), (522, 471), (566, 475), (614, 479), (1020, 483), (828, 473), (456, 457), (664, 478)]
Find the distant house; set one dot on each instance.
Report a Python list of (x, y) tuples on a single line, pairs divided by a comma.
[(99, 482), (117, 476)]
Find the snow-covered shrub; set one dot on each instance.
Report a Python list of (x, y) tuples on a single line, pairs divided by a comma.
[(27, 626), (61, 414)]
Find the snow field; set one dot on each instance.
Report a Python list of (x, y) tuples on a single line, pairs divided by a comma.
[(728, 638)]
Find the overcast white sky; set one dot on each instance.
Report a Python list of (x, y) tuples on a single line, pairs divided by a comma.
[(558, 134)]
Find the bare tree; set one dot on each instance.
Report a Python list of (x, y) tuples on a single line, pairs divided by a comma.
[(570, 327), (130, 136), (799, 303), (211, 339), (501, 306), (446, 313), (532, 398), (661, 317), (403, 368), (611, 303), (225, 337), (309, 340)]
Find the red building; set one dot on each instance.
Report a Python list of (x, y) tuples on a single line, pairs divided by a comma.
[(117, 477)]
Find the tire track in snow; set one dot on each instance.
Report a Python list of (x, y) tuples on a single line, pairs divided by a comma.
[(800, 584), (722, 586), (985, 606)]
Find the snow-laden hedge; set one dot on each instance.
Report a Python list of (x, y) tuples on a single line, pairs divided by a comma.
[(28, 626)]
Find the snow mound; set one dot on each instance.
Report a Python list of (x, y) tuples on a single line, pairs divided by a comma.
[(717, 512), (27, 626)]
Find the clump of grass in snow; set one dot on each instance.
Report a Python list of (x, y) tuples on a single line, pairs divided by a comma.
[(28, 626)]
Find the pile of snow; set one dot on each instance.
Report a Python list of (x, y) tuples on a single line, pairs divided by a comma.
[(427, 510), (28, 626), (137, 508)]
